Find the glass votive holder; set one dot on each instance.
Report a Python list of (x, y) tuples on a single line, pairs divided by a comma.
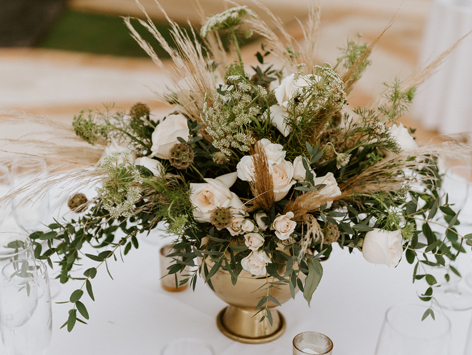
[(187, 346), (312, 343), (170, 282)]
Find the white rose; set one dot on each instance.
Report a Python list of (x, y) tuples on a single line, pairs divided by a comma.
[(403, 138), (284, 226), (247, 226), (277, 117), (153, 165), (166, 133), (275, 152), (235, 226), (331, 190), (260, 223), (383, 247), (256, 263), (245, 168), (215, 193), (282, 178), (253, 240), (114, 147), (289, 87), (299, 171)]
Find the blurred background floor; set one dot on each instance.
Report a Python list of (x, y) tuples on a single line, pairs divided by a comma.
[(57, 77)]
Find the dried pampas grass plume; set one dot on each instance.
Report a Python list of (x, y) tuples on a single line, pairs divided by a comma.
[(262, 186)]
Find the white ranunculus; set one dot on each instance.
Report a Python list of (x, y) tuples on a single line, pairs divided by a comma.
[(299, 171), (403, 137), (275, 152), (245, 168), (260, 223), (214, 193), (247, 226), (284, 226), (282, 178), (253, 240), (331, 189), (114, 147), (290, 86), (256, 263), (277, 117), (166, 133), (235, 226), (383, 247), (153, 165)]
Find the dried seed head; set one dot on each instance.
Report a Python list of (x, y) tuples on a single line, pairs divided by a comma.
[(139, 110), (331, 233), (78, 203), (181, 156), (221, 217)]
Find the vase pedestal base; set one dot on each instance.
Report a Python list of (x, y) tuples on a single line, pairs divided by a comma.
[(241, 325)]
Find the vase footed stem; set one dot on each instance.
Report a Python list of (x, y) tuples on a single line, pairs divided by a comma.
[(241, 325)]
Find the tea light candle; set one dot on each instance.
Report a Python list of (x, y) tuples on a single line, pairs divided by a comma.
[(312, 343)]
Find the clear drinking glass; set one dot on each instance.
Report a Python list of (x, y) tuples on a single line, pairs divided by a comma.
[(312, 343), (170, 282), (25, 308), (187, 346), (29, 209), (404, 333), (5, 187)]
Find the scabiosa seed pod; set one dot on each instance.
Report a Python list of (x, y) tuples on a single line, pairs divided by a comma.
[(78, 203), (139, 110), (331, 233), (221, 217), (219, 158), (181, 156)]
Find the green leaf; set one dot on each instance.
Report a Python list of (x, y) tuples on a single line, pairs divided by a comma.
[(127, 248), (48, 235), (363, 228), (94, 257), (447, 210), (260, 58), (89, 289), (92, 272), (213, 270), (312, 280), (274, 300), (433, 210), (269, 316), (431, 280), (455, 271), (428, 312), (410, 256), (82, 309), (72, 319), (261, 302), (76, 295)]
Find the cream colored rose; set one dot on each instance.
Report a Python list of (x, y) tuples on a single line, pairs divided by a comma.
[(331, 189), (290, 86), (284, 226), (205, 197), (260, 223), (256, 263), (277, 117), (253, 240), (383, 247), (153, 165), (245, 168), (299, 171), (166, 133), (403, 138), (235, 225), (275, 152), (282, 178), (247, 226)]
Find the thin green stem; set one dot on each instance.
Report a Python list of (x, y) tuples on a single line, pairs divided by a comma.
[(236, 44)]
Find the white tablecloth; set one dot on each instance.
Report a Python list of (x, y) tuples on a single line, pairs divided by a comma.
[(132, 315), (444, 101)]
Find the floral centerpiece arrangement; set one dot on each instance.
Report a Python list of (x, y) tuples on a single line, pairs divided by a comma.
[(260, 169)]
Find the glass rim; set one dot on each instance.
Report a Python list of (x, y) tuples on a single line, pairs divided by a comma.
[(455, 177), (414, 305), (331, 345)]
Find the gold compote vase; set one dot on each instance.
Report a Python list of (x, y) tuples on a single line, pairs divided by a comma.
[(238, 320)]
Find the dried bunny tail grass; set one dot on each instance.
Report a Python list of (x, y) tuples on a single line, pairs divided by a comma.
[(23, 133), (307, 203), (388, 175), (190, 76), (262, 186), (70, 181), (419, 76)]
